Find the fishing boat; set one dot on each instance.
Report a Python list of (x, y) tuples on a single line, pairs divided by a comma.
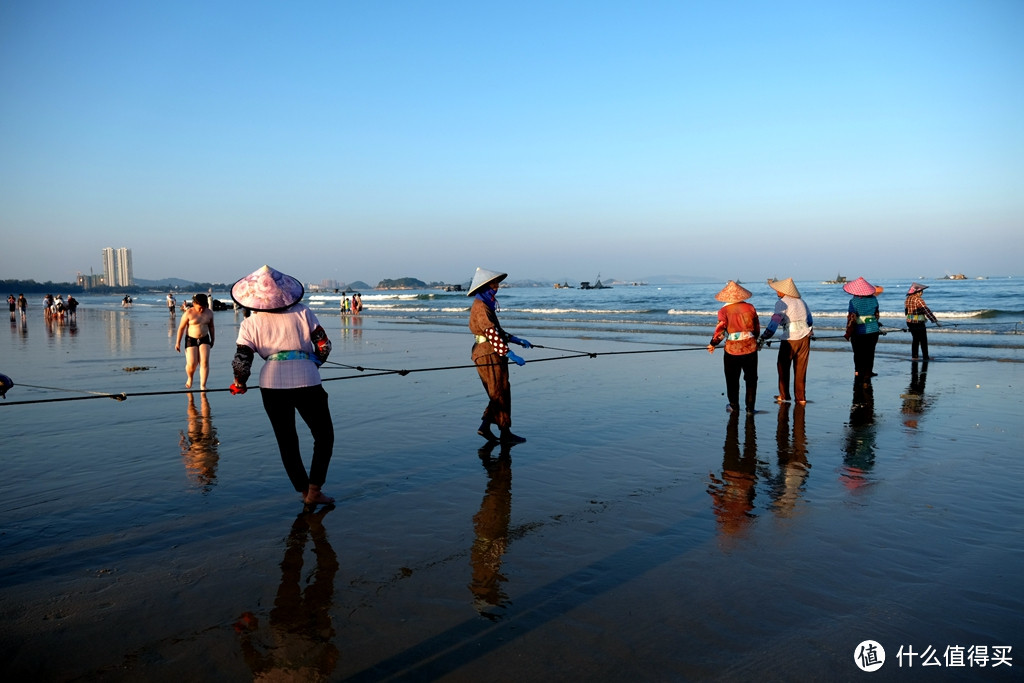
[(840, 280), (597, 285)]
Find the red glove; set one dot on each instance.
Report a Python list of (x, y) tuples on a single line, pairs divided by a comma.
[(235, 389)]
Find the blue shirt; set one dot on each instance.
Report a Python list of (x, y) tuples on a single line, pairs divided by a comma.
[(866, 310)]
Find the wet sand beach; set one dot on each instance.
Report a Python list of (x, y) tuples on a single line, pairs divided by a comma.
[(641, 533)]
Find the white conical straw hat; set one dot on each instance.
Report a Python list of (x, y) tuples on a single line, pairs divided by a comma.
[(786, 287), (267, 289), (483, 277)]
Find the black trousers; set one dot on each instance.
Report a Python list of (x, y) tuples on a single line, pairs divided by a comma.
[(919, 335), (734, 366), (864, 354), (311, 405)]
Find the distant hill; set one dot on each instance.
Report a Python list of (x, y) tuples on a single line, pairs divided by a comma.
[(402, 283)]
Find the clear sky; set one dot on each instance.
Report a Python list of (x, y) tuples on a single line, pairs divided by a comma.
[(552, 140)]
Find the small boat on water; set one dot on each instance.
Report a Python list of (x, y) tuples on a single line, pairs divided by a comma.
[(840, 280), (954, 276), (596, 285)]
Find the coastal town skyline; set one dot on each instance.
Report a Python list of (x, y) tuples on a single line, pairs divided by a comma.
[(548, 141)]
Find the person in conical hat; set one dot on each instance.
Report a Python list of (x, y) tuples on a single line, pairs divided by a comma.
[(738, 326), (289, 338), (917, 312), (793, 320), (862, 327), (491, 355)]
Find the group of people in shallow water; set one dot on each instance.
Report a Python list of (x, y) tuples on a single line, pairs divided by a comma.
[(53, 306), (352, 306), (739, 327)]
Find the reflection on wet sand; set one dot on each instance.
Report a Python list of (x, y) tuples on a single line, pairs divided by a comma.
[(788, 484), (733, 494), (352, 326), (490, 527), (298, 643), (914, 401), (859, 445), (198, 443)]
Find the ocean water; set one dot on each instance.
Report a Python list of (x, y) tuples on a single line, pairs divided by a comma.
[(977, 317)]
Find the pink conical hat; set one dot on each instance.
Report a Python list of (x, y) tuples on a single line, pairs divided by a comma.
[(733, 293), (267, 290), (917, 287), (859, 287)]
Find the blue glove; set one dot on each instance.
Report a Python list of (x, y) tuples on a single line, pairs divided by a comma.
[(515, 359), (522, 342)]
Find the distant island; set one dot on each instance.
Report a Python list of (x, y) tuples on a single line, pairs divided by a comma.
[(402, 283)]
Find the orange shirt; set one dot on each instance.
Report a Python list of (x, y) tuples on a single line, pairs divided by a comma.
[(739, 326)]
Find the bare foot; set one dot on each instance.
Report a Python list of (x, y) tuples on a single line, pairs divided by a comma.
[(317, 497), (188, 384)]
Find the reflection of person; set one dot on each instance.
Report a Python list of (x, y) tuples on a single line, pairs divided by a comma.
[(859, 458), (917, 311), (914, 403), (793, 465), (862, 328), (491, 355), (795, 325), (197, 320), (490, 526), (738, 326), (298, 644), (199, 444), (732, 495), (287, 335)]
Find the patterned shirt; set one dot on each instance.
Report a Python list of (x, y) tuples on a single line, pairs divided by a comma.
[(739, 326), (917, 310), (290, 330), (863, 317)]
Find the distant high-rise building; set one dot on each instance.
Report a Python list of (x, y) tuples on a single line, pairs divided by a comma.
[(117, 267), (124, 267), (109, 266)]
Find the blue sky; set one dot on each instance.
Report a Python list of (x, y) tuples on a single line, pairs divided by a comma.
[(551, 140)]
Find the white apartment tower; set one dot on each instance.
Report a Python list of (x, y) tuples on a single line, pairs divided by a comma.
[(117, 267)]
